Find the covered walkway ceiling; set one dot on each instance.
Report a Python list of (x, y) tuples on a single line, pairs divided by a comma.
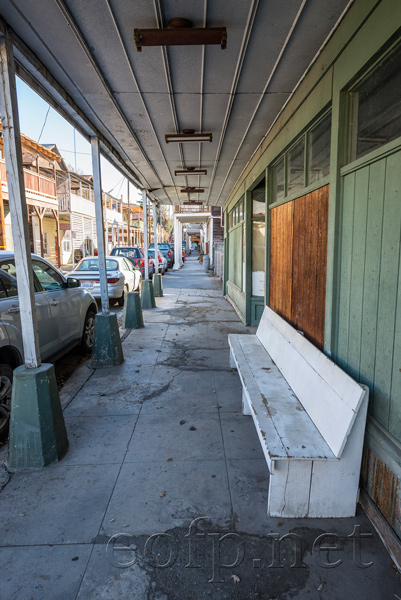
[(81, 57), (200, 217)]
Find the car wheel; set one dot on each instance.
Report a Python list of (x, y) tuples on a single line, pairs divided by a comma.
[(122, 299), (6, 384), (88, 332)]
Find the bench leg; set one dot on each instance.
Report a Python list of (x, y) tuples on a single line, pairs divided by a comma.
[(233, 364), (245, 406), (289, 486)]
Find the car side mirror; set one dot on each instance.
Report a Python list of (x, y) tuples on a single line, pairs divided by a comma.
[(73, 283)]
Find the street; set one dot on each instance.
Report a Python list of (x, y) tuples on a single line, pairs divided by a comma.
[(163, 491)]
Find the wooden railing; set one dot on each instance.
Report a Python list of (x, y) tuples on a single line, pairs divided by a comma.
[(34, 182)]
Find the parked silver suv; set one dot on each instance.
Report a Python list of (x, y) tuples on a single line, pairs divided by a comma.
[(65, 317)]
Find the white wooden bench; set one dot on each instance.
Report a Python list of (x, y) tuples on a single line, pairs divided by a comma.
[(310, 417)]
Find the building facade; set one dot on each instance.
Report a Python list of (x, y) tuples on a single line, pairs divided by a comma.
[(312, 228)]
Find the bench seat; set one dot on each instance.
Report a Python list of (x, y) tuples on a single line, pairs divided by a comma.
[(309, 415), (279, 416)]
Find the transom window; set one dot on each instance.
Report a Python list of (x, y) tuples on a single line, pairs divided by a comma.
[(376, 107), (305, 163), (236, 214)]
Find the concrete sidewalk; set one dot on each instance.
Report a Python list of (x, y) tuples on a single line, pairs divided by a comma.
[(156, 444)]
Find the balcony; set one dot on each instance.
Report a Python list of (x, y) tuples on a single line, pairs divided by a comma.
[(39, 190)]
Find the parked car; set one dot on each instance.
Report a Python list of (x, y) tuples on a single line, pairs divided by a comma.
[(165, 249), (162, 260), (133, 254), (122, 276), (65, 314), (151, 264)]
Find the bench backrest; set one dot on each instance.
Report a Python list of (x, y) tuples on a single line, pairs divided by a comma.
[(330, 396)]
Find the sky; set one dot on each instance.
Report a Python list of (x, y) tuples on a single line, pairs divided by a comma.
[(43, 124)]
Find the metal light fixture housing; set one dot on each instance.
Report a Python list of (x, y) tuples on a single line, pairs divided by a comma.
[(190, 171), (180, 32), (192, 190), (188, 135)]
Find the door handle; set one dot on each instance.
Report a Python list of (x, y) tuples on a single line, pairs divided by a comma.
[(13, 310), (54, 302)]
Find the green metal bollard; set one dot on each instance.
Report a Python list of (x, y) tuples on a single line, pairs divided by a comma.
[(148, 296), (37, 431), (107, 350), (158, 285), (132, 317)]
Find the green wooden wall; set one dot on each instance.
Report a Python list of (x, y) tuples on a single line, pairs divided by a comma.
[(368, 340)]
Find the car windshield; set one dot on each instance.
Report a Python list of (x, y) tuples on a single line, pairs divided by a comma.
[(128, 252), (151, 253), (92, 264)]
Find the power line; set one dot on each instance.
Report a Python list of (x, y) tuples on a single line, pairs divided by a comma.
[(73, 152), (47, 114), (118, 183)]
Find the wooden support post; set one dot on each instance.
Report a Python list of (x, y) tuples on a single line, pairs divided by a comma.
[(97, 185), (156, 245), (17, 201), (3, 242), (40, 211), (145, 233), (55, 215)]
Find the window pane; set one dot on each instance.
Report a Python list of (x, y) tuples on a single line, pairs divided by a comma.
[(258, 258), (319, 150), (8, 287), (49, 279), (379, 106), (278, 180), (259, 200), (9, 267), (241, 211), (92, 264), (295, 168)]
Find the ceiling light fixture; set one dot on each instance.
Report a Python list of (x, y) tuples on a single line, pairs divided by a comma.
[(192, 190), (180, 32), (190, 171), (188, 135)]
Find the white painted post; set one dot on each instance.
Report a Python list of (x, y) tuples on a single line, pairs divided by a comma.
[(156, 245), (145, 232), (97, 186), (177, 261), (211, 252), (17, 202), (180, 238)]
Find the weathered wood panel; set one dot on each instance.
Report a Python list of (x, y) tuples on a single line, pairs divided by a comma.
[(309, 264), (298, 251), (281, 252)]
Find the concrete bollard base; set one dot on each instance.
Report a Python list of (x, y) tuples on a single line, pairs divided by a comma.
[(132, 316), (158, 285), (148, 296), (107, 350), (37, 431)]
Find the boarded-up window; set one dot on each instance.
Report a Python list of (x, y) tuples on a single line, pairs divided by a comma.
[(298, 250)]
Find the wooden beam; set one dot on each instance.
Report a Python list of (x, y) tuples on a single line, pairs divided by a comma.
[(39, 210), (17, 201), (56, 217), (145, 233), (97, 186), (3, 243)]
